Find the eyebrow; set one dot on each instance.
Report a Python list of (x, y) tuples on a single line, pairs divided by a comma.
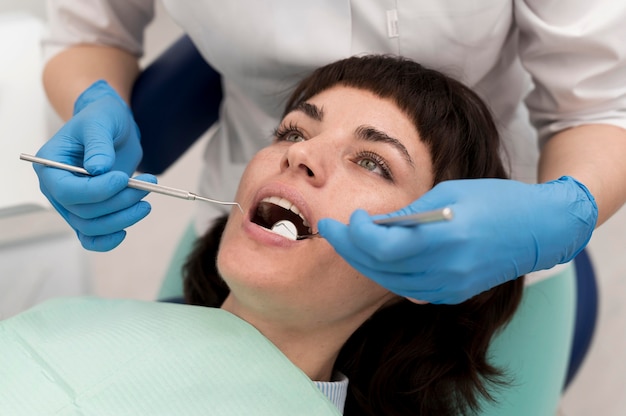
[(371, 134), (363, 132), (310, 110)]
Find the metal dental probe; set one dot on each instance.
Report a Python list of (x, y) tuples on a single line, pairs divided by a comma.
[(442, 214), (132, 183)]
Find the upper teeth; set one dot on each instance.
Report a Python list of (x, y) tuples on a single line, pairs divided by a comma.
[(284, 203)]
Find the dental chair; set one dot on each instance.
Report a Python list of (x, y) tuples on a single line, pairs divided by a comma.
[(177, 98)]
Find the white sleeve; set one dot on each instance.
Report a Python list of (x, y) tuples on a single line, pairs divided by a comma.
[(575, 52), (119, 23)]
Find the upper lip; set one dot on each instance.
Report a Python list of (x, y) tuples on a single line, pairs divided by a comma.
[(285, 196)]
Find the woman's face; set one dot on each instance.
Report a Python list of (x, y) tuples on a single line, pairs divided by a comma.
[(343, 149)]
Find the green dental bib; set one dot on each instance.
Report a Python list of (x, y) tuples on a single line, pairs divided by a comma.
[(88, 356)]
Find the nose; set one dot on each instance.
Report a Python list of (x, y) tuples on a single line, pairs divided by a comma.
[(308, 159)]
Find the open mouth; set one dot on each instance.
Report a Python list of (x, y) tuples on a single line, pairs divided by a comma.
[(282, 217)]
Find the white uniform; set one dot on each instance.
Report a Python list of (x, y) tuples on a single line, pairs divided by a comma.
[(573, 52)]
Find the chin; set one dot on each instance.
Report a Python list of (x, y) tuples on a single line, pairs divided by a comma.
[(252, 268)]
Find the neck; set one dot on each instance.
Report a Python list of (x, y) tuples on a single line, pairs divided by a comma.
[(313, 347)]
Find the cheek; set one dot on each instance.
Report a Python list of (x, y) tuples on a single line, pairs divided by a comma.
[(343, 288), (227, 255), (375, 199), (265, 162), (354, 189)]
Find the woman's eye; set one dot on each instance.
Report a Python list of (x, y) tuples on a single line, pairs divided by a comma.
[(293, 136), (289, 133), (368, 164), (374, 163)]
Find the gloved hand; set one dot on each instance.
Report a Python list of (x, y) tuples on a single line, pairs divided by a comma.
[(501, 229), (103, 138)]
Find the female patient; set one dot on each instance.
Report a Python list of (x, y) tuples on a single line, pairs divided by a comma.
[(370, 133)]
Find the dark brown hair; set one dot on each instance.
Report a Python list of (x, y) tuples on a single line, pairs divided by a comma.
[(408, 359)]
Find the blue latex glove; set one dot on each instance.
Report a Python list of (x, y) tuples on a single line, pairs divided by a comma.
[(501, 229), (103, 138)]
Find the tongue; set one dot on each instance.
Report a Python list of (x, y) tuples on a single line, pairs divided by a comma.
[(286, 229)]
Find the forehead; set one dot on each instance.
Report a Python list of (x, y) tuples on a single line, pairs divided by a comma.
[(354, 104), (351, 107)]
